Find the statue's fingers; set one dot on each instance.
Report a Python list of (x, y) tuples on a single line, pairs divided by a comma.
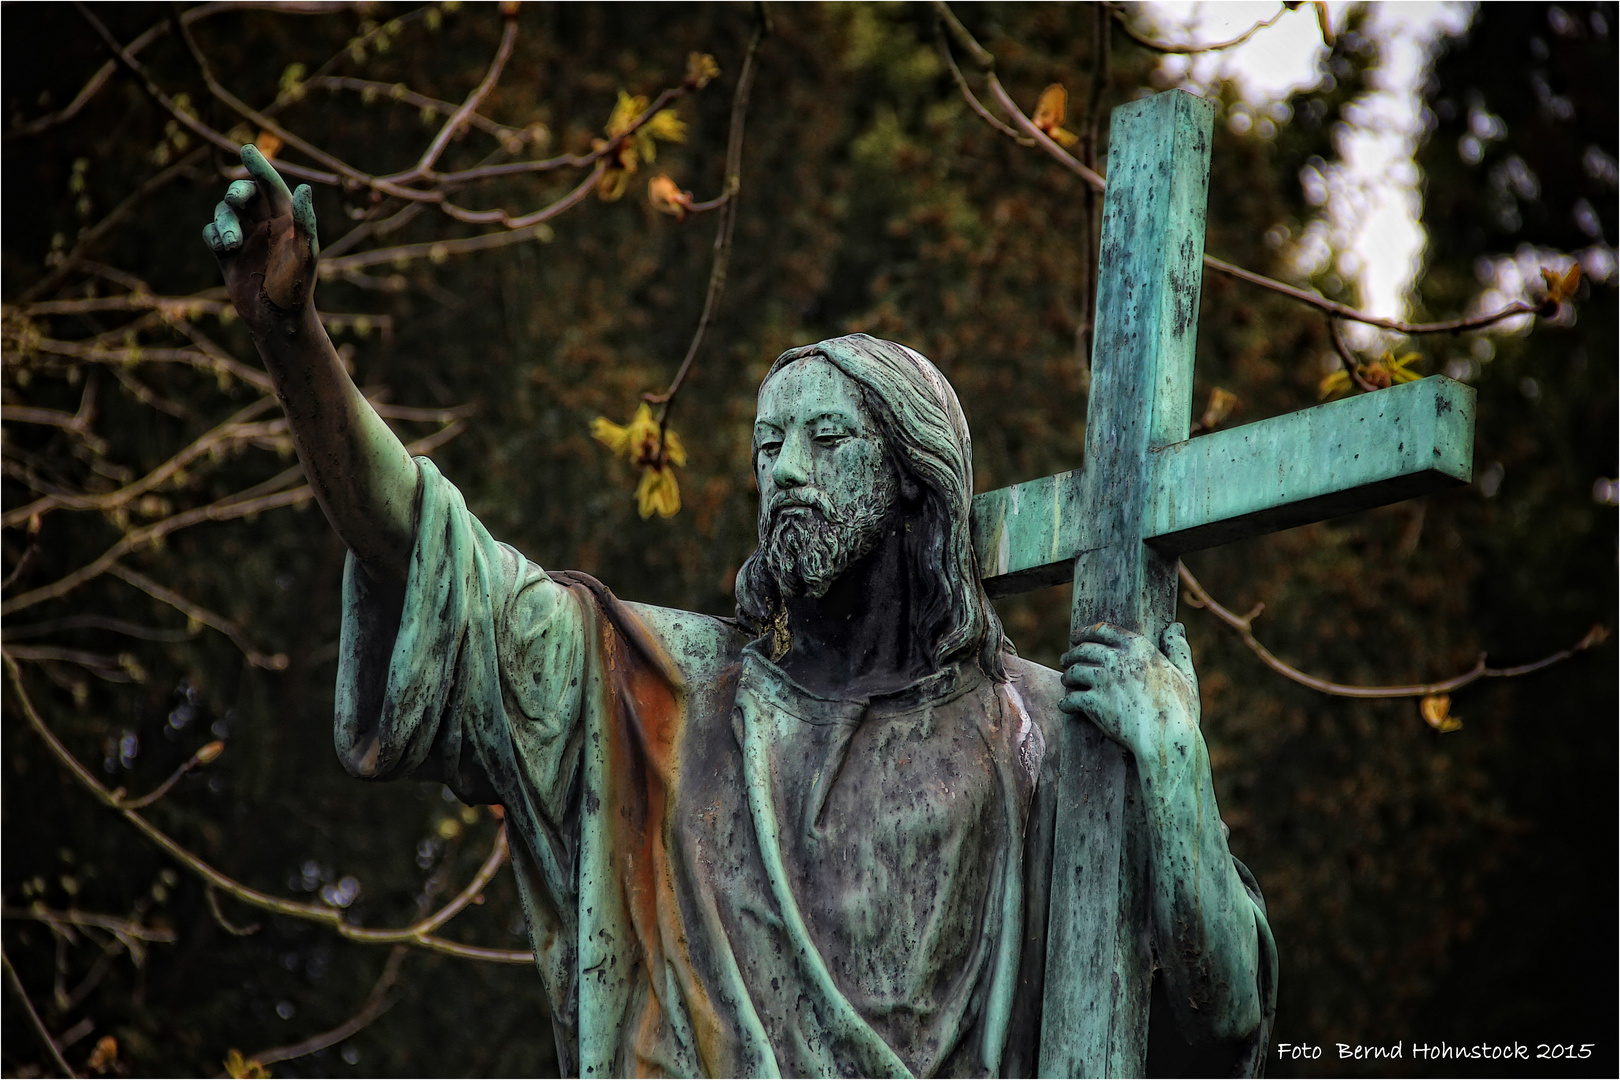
[(1178, 652), (211, 238), (228, 227), (241, 192), (303, 202), (270, 181), (1092, 653), (1077, 703), (1106, 633), (1079, 677)]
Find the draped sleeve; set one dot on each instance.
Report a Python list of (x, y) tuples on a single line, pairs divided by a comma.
[(476, 680)]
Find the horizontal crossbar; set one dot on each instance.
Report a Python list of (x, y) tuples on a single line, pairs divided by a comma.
[(1317, 463)]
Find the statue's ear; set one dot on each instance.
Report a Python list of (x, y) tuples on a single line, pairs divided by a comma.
[(910, 490)]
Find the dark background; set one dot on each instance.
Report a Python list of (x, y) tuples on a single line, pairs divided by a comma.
[(1421, 886)]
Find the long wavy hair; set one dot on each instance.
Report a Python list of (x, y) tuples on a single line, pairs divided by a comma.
[(922, 422)]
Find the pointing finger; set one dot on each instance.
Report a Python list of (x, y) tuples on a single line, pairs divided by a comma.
[(227, 228), (240, 193), (270, 181)]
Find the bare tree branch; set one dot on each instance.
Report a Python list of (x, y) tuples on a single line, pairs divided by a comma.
[(34, 1022), (503, 53), (418, 934), (986, 63), (227, 509), (1351, 367), (1183, 50), (728, 219), (204, 756), (375, 1005), (1243, 624), (121, 928)]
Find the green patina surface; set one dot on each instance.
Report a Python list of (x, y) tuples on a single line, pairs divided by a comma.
[(1146, 494), (1347, 455), (1337, 458), (1095, 1013)]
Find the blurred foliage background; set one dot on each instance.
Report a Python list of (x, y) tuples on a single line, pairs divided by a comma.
[(1421, 885)]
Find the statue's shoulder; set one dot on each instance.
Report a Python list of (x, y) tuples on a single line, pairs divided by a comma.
[(1040, 688), (699, 644)]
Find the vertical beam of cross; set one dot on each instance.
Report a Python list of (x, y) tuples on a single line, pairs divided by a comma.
[(1099, 973)]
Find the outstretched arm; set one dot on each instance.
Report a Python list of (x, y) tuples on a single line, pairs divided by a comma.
[(264, 237), (1204, 925)]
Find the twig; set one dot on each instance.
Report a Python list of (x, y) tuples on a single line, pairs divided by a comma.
[(396, 185), (211, 895), (1351, 368), (986, 63), (1350, 314), (227, 509), (204, 756), (50, 282), (96, 622), (195, 357), (375, 1005), (121, 928), (267, 661), (1243, 624), (1183, 50), (22, 563), (728, 219), (418, 934), (1042, 139), (235, 429), (34, 1021), (503, 53), (100, 664), (151, 34), (406, 96), (438, 249), (967, 92)]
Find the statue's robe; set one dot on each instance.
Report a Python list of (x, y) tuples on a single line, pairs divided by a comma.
[(723, 873)]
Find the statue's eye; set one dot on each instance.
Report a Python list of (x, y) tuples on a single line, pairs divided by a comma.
[(770, 446), (831, 438)]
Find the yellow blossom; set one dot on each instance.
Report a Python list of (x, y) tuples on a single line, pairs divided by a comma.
[(104, 1056), (658, 493), (1561, 287), (243, 1068), (1221, 404), (1050, 112), (641, 147), (269, 144), (639, 443), (668, 198), (1436, 710), (1334, 383), (701, 69), (1388, 370)]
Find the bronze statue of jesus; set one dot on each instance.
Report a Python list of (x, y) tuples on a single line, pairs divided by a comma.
[(812, 839)]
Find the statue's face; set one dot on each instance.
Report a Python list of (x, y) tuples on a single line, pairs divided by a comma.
[(827, 484)]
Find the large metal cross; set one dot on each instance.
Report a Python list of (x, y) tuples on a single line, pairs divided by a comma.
[(1146, 494)]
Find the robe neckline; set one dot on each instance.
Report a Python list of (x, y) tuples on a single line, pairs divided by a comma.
[(767, 679)]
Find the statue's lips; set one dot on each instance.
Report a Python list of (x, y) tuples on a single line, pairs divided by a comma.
[(797, 508)]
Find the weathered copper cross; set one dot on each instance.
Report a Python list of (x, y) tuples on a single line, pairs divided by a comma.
[(1146, 494)]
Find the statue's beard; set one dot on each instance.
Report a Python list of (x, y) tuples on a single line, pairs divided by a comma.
[(807, 543)]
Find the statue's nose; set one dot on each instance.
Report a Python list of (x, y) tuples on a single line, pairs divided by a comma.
[(792, 468)]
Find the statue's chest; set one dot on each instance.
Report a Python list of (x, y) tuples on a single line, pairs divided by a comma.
[(889, 824)]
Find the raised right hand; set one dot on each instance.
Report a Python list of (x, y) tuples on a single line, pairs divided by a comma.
[(264, 238)]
